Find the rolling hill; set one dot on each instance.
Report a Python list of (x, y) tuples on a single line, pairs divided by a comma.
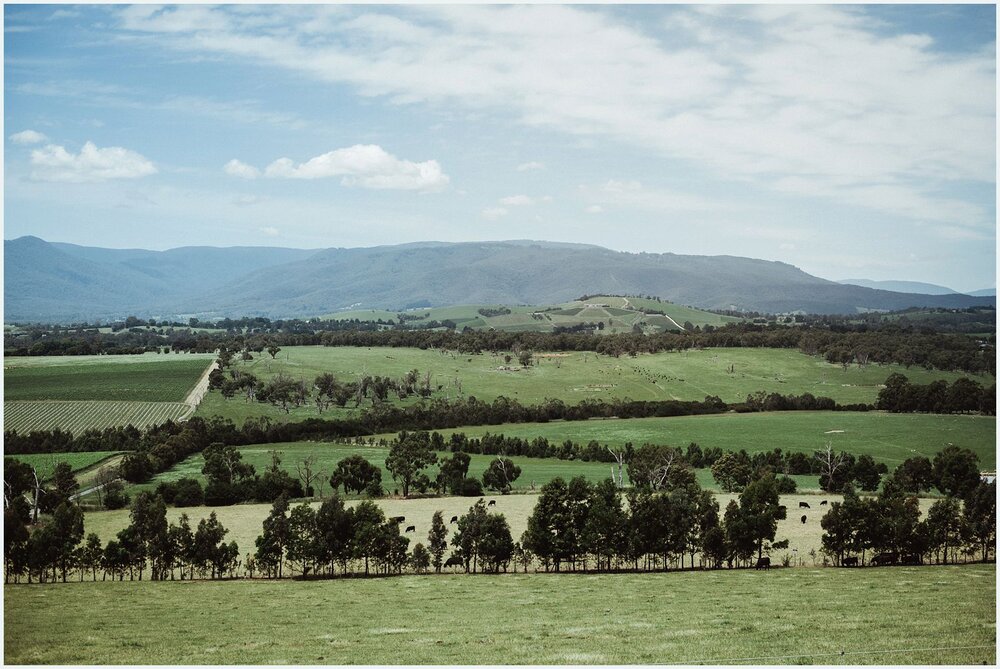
[(61, 282)]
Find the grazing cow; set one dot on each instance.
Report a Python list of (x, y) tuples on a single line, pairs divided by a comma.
[(398, 519), (453, 561), (454, 519), (763, 563), (823, 503), (804, 505), (892, 557), (411, 528), (911, 558), (803, 520), (493, 502), (849, 561)]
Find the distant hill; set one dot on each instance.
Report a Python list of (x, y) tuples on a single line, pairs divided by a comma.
[(902, 286), (985, 292), (62, 282)]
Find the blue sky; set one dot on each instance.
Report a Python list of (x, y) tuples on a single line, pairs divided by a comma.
[(849, 141)]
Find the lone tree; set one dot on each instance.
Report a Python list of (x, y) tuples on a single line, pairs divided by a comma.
[(501, 474), (437, 540), (408, 456), (355, 474)]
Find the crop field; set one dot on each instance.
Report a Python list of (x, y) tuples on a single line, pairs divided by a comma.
[(938, 615), (244, 520), (78, 393), (574, 376), (535, 472), (45, 463), (889, 438), (78, 416), (133, 378)]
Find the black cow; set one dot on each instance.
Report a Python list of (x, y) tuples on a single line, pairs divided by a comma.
[(453, 561), (891, 557), (493, 502), (823, 503), (411, 528), (849, 562), (803, 520), (911, 558), (804, 505), (454, 519), (763, 563), (397, 519)]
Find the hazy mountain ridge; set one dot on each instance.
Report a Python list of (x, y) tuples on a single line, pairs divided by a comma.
[(46, 281)]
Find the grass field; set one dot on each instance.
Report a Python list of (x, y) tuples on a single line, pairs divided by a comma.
[(889, 438), (244, 520), (619, 314), (133, 378), (795, 616), (45, 463), (574, 376)]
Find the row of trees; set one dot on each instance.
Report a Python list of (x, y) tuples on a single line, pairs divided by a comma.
[(889, 526), (56, 546), (962, 396)]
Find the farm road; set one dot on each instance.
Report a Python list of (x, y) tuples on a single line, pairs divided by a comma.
[(194, 397)]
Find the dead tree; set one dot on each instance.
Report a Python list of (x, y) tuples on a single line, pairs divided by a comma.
[(619, 456)]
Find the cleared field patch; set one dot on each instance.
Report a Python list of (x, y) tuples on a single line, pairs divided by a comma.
[(77, 416), (821, 616), (45, 463), (140, 379), (688, 375), (889, 438)]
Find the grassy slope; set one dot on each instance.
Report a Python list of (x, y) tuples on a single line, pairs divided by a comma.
[(889, 438), (244, 521), (572, 377), (140, 378), (45, 463), (836, 616)]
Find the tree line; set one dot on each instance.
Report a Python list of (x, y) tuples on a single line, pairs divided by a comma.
[(962, 396), (575, 526), (839, 342)]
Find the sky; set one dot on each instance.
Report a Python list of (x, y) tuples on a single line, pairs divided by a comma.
[(851, 141)]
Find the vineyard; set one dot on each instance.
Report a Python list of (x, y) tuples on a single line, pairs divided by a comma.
[(77, 416)]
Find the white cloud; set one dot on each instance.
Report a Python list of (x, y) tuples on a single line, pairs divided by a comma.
[(750, 93), (269, 231), (594, 209), (366, 165), (28, 137), (633, 194), (517, 201), (493, 213), (529, 166), (237, 168), (55, 163)]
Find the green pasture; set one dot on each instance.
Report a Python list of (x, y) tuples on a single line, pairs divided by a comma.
[(889, 438), (45, 463), (573, 376), (917, 615), (244, 520), (148, 378)]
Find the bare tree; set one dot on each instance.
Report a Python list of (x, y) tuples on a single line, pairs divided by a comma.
[(619, 456), (830, 461), (307, 473)]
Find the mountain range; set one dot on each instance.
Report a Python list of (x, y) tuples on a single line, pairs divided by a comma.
[(55, 282), (916, 287)]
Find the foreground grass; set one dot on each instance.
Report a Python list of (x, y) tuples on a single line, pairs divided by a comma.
[(822, 616), (574, 376)]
